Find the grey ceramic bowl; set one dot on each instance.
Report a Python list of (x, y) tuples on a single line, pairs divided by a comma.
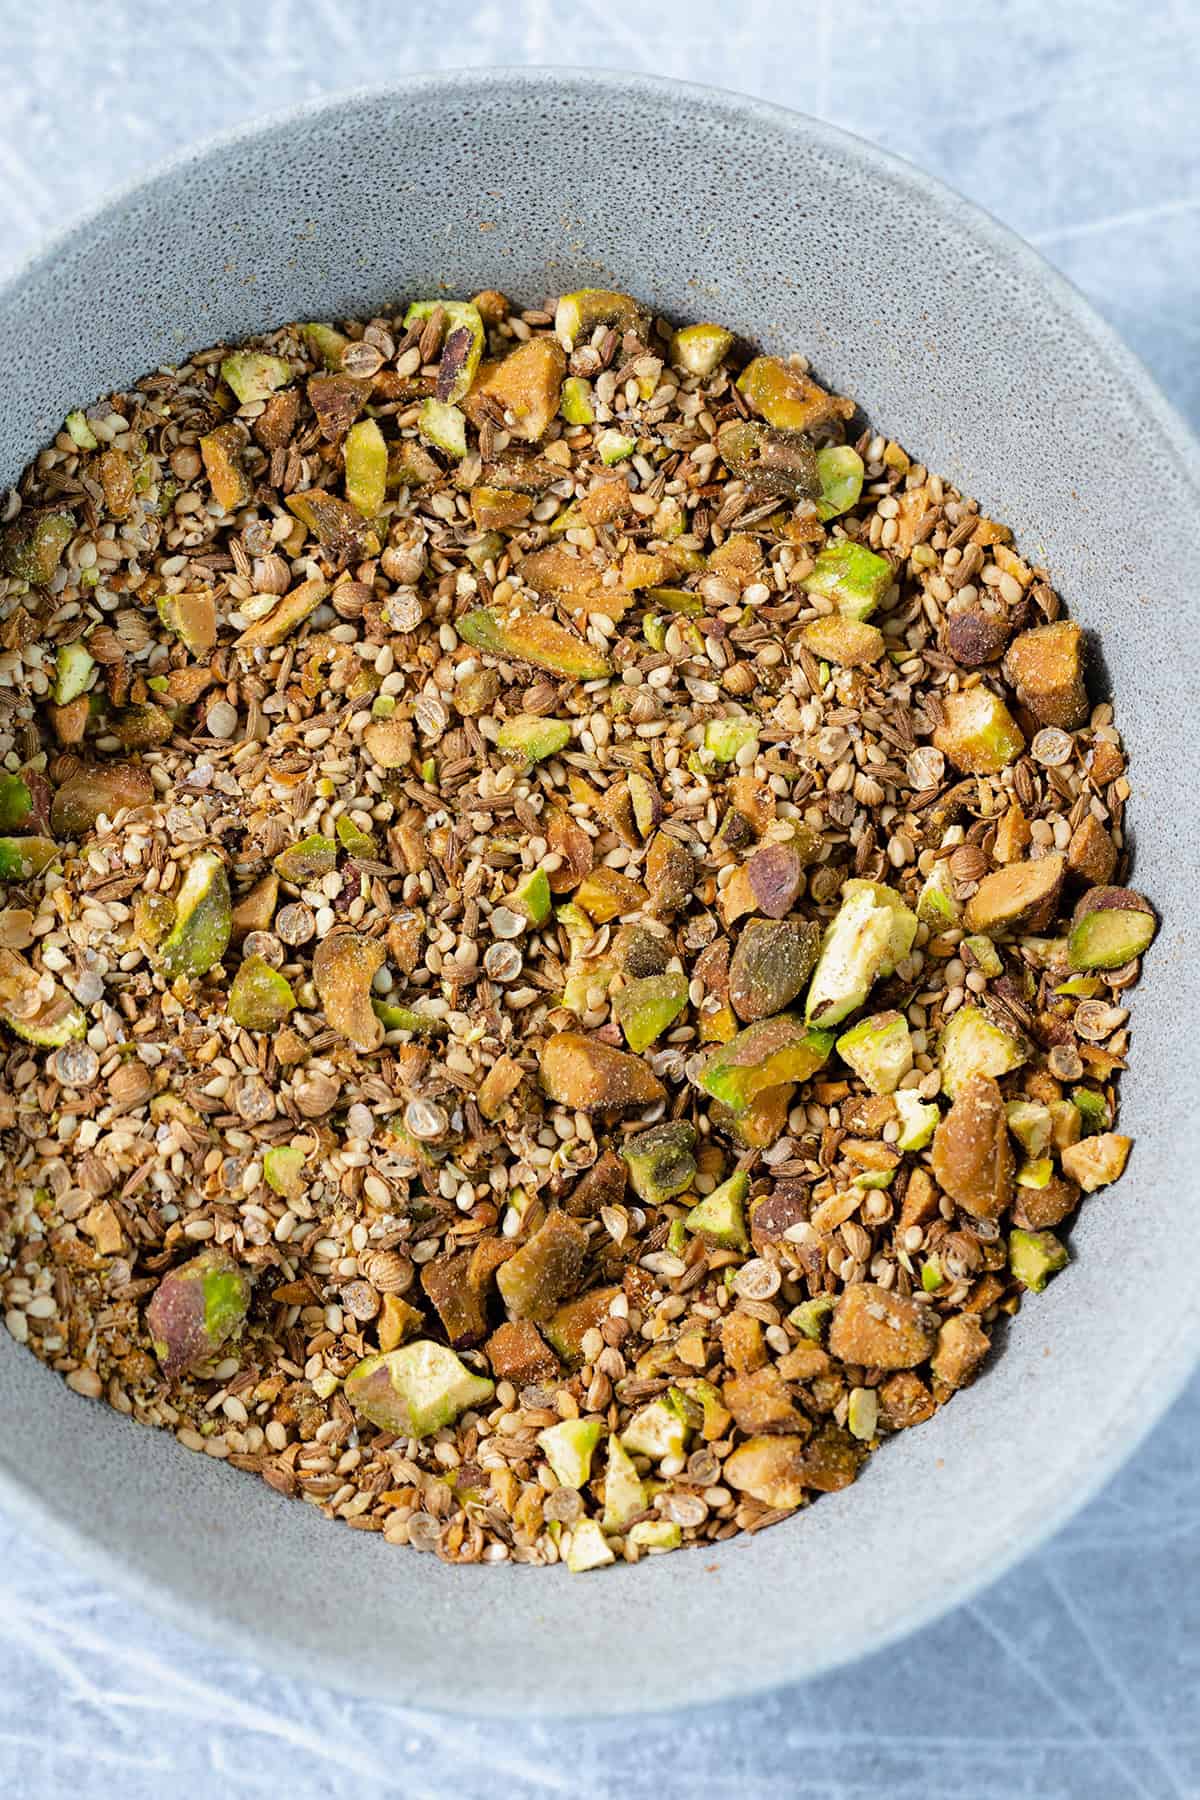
[(958, 340)]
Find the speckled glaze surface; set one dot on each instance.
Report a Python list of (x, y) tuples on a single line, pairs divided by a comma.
[(964, 345)]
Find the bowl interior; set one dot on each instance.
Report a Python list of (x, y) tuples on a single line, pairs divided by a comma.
[(959, 343)]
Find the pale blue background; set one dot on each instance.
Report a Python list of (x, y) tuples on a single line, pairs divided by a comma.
[(1077, 1676)]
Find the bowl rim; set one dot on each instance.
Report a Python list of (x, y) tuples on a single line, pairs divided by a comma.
[(1176, 1359)]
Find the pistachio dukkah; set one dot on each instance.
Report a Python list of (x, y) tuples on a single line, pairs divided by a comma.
[(563, 955)]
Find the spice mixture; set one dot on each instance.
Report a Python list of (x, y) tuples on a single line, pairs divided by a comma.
[(560, 965)]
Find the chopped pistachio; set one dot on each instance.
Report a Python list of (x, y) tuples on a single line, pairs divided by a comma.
[(74, 669), (779, 462), (661, 1161), (841, 472), (810, 1316), (658, 1430), (578, 314), (544, 1271), (192, 616), (624, 1492), (1111, 927), (771, 965), (587, 1549), (917, 1120), (879, 1050), (764, 1055), (203, 919), (974, 1044), (366, 457), (1093, 1111), (787, 397), (936, 903), (462, 345), (260, 998), (532, 739), (326, 343), (283, 1168), (304, 863), (1034, 1256), (21, 858), (700, 349), (719, 1217), (534, 638), (645, 1008), (576, 405), (416, 1389), (569, 1448), (196, 1309), (978, 733), (16, 802), (80, 432), (1031, 1124), (255, 375), (31, 546), (850, 575), (445, 427)]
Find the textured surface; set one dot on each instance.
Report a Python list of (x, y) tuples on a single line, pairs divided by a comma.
[(1076, 1674)]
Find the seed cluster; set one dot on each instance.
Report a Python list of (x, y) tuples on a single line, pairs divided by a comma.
[(560, 964)]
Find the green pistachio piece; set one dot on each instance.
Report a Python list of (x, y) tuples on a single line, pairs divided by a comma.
[(787, 397), (661, 1160), (445, 427), (658, 1430), (576, 405), (283, 1168), (544, 1271), (569, 1448), (700, 349), (366, 457), (656, 1536), (973, 1044), (462, 345), (307, 861), (879, 1050), (1034, 1256), (614, 447), (531, 738), (27, 1012), (1093, 1111), (1107, 937), (255, 374), (80, 432), (918, 1120), (841, 470), (978, 734), (534, 638), (16, 802), (624, 1492), (577, 315), (724, 738), (531, 896), (354, 841), (645, 1008), (407, 1018), (196, 1309), (780, 462), (31, 546), (74, 668), (203, 919), (936, 904), (720, 1217), (811, 1316), (21, 858), (260, 998), (587, 1549), (286, 617), (1031, 1124), (327, 344), (767, 1054), (854, 953), (416, 1389), (853, 577)]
